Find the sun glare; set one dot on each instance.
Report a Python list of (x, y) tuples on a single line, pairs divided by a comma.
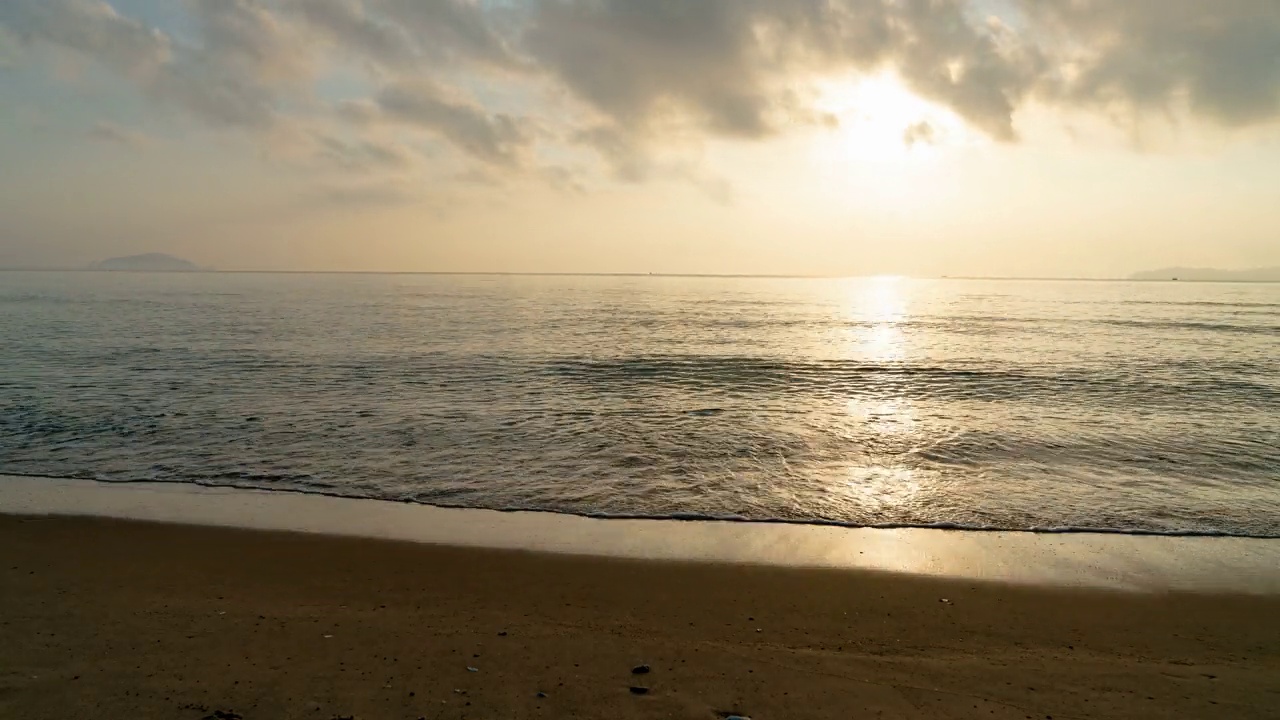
[(880, 121)]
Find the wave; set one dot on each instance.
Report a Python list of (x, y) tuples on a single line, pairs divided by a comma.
[(737, 374), (1194, 326), (703, 517), (1195, 303)]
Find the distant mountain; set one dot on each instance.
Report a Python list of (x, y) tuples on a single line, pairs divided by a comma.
[(148, 262), (1271, 274)]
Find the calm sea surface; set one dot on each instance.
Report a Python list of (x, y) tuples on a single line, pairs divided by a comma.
[(986, 404)]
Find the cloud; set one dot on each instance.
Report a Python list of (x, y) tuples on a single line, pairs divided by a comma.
[(109, 133), (94, 28), (563, 179), (245, 40), (452, 30), (626, 159), (347, 24), (497, 139), (632, 61), (716, 188), (409, 34), (365, 155), (971, 67), (631, 80), (733, 66), (1221, 58), (9, 51), (234, 75), (920, 132)]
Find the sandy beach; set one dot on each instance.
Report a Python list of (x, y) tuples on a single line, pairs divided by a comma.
[(112, 618)]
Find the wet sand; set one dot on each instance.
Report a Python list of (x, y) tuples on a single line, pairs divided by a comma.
[(112, 618)]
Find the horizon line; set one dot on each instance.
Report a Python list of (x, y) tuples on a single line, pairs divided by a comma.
[(501, 273)]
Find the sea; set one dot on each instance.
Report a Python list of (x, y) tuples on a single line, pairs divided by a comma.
[(1021, 405)]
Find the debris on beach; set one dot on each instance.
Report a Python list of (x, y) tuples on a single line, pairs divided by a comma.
[(224, 715), (541, 695), (471, 669), (640, 670), (639, 690)]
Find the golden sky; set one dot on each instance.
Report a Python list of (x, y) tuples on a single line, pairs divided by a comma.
[(827, 137)]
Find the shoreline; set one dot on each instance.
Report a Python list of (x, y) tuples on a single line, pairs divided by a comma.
[(1141, 562), (677, 517), (129, 618)]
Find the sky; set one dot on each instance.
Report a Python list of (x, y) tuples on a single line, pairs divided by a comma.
[(1046, 138)]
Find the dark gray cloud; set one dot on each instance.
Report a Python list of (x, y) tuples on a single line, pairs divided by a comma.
[(632, 60), (626, 159), (365, 36), (562, 179), (409, 34), (246, 39), (1222, 57), (947, 55), (629, 162), (365, 155), (646, 69), (452, 29), (93, 28), (249, 57), (498, 139), (232, 75), (733, 64), (112, 134)]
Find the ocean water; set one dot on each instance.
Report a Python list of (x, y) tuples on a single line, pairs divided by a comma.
[(1021, 405)]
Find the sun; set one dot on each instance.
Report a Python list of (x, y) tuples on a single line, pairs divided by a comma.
[(881, 121)]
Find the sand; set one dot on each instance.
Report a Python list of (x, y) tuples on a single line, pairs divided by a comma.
[(112, 619)]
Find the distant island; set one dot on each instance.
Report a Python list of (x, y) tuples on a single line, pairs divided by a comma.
[(148, 262), (1271, 274)]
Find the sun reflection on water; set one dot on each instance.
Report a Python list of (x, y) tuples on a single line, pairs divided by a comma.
[(887, 416), (883, 475), (880, 488), (877, 307)]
